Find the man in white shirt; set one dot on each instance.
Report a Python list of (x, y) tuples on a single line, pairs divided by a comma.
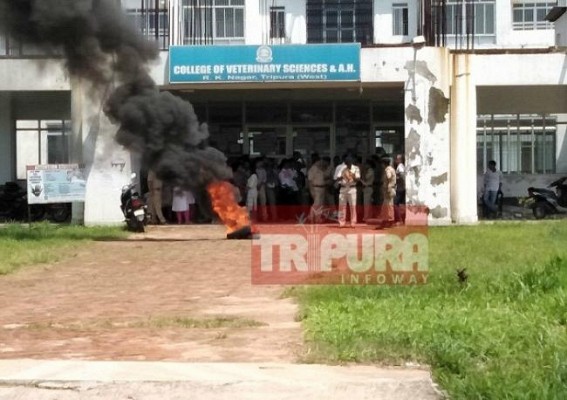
[(347, 175), (492, 185)]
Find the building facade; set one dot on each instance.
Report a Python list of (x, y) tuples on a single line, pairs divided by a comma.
[(450, 84)]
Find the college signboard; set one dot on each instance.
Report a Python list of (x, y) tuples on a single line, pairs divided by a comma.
[(55, 183), (287, 63)]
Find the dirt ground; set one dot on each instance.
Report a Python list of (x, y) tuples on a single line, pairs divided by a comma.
[(119, 300)]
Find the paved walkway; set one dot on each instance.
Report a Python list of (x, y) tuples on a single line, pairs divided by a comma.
[(74, 380), (175, 294)]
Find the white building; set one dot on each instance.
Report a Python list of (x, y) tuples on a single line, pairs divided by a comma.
[(490, 83)]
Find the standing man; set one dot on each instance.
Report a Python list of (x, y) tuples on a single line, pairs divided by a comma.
[(368, 189), (317, 187), (155, 187), (347, 175), (400, 200), (389, 191), (329, 187), (492, 185), (262, 180)]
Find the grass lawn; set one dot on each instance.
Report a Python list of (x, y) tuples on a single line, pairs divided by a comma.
[(22, 245), (501, 336)]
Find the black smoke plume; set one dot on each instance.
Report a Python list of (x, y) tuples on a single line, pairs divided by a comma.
[(100, 45)]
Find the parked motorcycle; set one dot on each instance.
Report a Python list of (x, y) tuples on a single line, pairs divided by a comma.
[(133, 207), (545, 201), (13, 202)]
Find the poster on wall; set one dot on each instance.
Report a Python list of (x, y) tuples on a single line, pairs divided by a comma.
[(55, 183)]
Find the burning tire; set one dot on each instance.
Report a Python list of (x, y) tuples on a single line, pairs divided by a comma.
[(242, 233)]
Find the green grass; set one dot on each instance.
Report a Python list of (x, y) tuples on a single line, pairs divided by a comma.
[(154, 322), (501, 336), (202, 323), (22, 245)]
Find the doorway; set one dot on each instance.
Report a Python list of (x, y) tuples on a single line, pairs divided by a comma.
[(281, 141), (312, 139), (389, 139)]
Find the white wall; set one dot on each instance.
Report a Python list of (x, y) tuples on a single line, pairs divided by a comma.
[(159, 69), (295, 19), (508, 38), (108, 165), (433, 71), (255, 25), (561, 31), (384, 25), (526, 39), (561, 144), (521, 69), (257, 21), (388, 65), (33, 74)]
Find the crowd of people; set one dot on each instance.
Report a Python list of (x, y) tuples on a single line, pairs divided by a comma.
[(343, 190), (373, 190)]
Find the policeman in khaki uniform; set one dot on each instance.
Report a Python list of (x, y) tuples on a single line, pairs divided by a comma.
[(347, 175), (389, 191), (155, 187), (317, 188)]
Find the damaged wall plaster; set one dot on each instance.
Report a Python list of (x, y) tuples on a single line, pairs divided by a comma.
[(427, 142)]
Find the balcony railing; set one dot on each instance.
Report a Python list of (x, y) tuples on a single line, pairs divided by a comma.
[(152, 22)]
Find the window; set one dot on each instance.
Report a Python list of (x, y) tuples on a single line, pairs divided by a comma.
[(460, 16), (207, 21), (339, 21), (151, 23), (338, 25), (41, 142), (277, 23), (518, 143), (531, 16), (400, 19)]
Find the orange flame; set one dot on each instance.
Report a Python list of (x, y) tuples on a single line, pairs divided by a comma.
[(224, 204)]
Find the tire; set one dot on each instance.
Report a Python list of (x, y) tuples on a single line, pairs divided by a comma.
[(540, 210), (37, 212), (134, 225), (59, 213), (140, 226), (131, 224)]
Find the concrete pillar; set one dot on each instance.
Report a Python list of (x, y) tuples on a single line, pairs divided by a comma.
[(175, 23), (427, 132), (76, 144), (463, 141), (107, 164), (7, 147)]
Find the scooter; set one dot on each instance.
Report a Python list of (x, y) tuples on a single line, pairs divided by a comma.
[(545, 201), (133, 207)]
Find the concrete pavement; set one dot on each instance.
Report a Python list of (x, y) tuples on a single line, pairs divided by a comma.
[(127, 380)]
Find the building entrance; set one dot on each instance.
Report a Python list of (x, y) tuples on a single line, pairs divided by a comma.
[(280, 141)]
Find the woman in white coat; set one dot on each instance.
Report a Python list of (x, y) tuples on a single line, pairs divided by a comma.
[(181, 204)]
